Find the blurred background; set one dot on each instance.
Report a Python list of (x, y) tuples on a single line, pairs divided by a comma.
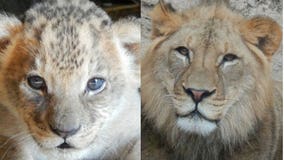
[(115, 8)]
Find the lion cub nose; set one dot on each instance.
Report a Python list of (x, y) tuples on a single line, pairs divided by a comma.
[(66, 132), (198, 95)]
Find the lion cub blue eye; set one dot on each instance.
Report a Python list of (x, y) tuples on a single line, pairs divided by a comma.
[(36, 82), (229, 57), (183, 50), (96, 84)]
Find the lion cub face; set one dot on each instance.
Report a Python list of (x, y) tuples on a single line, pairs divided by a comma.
[(208, 63), (67, 75)]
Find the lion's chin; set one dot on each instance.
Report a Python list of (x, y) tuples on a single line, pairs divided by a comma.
[(196, 125)]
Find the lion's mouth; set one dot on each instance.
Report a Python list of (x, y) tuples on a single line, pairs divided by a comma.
[(65, 146), (196, 115)]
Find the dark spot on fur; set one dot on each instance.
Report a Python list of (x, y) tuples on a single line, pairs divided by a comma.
[(30, 19), (104, 23), (4, 43), (38, 32), (261, 42)]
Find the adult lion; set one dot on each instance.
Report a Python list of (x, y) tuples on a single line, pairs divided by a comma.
[(207, 92)]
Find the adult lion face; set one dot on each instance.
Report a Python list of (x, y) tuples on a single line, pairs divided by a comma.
[(209, 68), (208, 65)]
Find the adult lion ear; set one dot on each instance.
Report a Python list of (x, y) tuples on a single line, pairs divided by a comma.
[(8, 25), (165, 20), (262, 32), (129, 33)]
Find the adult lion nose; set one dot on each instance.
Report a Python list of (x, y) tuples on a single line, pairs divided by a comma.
[(198, 95)]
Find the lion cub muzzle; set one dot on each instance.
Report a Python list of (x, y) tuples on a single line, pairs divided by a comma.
[(64, 124)]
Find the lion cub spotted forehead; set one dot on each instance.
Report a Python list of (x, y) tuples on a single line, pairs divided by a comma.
[(69, 34)]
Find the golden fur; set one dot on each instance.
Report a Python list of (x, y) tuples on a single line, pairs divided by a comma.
[(66, 58), (243, 114)]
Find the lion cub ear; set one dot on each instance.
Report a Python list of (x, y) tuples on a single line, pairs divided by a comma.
[(165, 20), (8, 25), (262, 32), (128, 32)]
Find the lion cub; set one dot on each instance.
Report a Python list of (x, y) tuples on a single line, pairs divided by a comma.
[(69, 84), (207, 92)]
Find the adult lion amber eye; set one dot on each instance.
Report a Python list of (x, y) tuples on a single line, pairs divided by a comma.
[(36, 82), (183, 50), (229, 57), (96, 85)]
